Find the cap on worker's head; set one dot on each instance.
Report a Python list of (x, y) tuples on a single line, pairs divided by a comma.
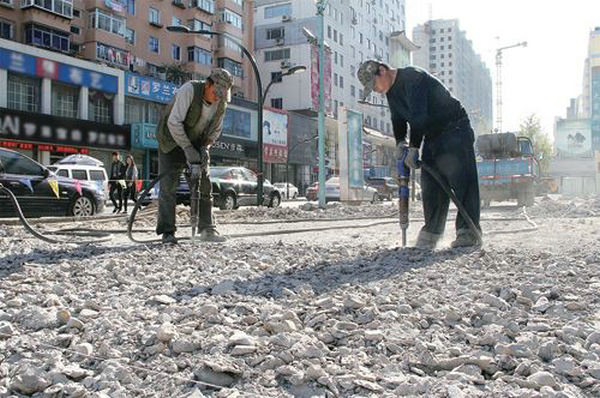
[(223, 82), (366, 75)]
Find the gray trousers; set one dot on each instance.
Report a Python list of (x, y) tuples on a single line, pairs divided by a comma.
[(174, 163)]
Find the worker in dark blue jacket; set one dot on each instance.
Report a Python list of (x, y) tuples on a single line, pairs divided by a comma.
[(438, 121)]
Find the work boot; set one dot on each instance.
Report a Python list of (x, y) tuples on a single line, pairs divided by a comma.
[(465, 238), (427, 240), (210, 235), (169, 238)]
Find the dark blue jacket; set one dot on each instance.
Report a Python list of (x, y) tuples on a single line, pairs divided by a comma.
[(422, 101)]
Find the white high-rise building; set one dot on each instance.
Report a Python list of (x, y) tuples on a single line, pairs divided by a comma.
[(355, 30), (446, 52)]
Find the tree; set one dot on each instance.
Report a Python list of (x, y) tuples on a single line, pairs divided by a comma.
[(176, 74), (532, 129)]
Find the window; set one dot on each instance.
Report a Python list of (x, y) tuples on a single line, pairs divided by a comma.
[(341, 39), (75, 29), (329, 32), (277, 55), (335, 79), (335, 57), (131, 7), (353, 51), (153, 44), (341, 60), (196, 24), (176, 52), (96, 175), (79, 174), (431, 48), (353, 70), (360, 38), (176, 21), (139, 111), (360, 93), (352, 91), (153, 16), (76, 13), (275, 33), (449, 38), (62, 173), (6, 29), (235, 68), (111, 54), (449, 46), (130, 36), (101, 106), (226, 42), (61, 7), (341, 81), (231, 18), (239, 3), (278, 10), (45, 37), (205, 5), (335, 35), (199, 55), (276, 77), (65, 100), (15, 163), (277, 103), (108, 22), (432, 66), (24, 93)]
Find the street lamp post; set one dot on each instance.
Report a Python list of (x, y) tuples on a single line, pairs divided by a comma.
[(185, 29), (321, 4)]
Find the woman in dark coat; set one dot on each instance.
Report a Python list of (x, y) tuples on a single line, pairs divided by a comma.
[(131, 175)]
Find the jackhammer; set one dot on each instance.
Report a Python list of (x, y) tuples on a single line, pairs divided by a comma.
[(194, 173), (403, 191)]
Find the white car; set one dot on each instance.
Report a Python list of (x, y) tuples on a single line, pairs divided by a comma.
[(283, 190), (82, 167)]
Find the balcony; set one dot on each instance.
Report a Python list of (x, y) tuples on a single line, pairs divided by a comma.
[(61, 8), (179, 3), (113, 56)]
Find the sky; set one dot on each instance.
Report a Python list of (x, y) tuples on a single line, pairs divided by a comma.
[(540, 78)]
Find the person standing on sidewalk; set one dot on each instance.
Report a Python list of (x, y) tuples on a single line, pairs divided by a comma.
[(117, 174), (131, 175), (191, 123), (439, 121)]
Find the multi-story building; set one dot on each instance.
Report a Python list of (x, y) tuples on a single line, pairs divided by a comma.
[(446, 52), (125, 41), (355, 30)]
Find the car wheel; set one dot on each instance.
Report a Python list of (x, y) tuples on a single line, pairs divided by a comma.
[(374, 199), (228, 202), (295, 195), (275, 201), (82, 207)]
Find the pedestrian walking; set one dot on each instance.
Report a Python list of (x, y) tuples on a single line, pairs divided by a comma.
[(117, 175), (131, 176), (192, 122), (439, 122)]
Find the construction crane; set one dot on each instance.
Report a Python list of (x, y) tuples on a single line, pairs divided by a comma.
[(499, 83)]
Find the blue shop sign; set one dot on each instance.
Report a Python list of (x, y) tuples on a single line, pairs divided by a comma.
[(149, 88), (34, 66), (143, 136)]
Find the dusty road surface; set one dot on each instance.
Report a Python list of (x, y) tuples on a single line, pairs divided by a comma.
[(322, 313)]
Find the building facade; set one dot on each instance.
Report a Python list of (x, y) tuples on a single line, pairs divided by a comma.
[(446, 52), (113, 63), (355, 30)]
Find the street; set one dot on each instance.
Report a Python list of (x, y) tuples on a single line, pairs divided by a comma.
[(328, 312)]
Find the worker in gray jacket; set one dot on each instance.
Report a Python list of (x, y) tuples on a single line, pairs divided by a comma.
[(439, 121), (190, 124)]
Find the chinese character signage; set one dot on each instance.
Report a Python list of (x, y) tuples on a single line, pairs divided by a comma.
[(143, 136), (149, 88), (275, 126), (59, 131), (573, 138), (355, 149), (41, 67)]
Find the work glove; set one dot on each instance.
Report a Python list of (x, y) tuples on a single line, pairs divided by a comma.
[(196, 170), (192, 155), (412, 158)]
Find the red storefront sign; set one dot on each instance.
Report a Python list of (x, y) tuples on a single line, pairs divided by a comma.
[(42, 147)]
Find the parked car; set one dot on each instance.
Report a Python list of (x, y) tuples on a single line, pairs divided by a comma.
[(83, 172), (233, 187), (332, 191), (29, 181), (387, 187), (289, 192)]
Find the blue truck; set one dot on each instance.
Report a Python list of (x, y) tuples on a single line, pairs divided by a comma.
[(508, 169)]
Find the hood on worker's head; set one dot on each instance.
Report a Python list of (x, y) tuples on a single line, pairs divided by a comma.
[(366, 75), (223, 82)]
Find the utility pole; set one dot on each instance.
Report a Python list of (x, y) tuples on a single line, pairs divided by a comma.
[(499, 83), (321, 4)]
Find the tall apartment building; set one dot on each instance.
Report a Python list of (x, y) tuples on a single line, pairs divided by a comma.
[(446, 52), (113, 62), (355, 30)]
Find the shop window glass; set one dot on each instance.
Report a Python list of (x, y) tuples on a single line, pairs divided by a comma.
[(65, 100), (24, 93)]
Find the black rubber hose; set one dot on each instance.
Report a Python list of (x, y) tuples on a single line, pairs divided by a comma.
[(137, 206), (35, 233), (450, 192)]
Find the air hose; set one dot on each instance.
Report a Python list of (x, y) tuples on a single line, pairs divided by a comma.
[(35, 233)]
